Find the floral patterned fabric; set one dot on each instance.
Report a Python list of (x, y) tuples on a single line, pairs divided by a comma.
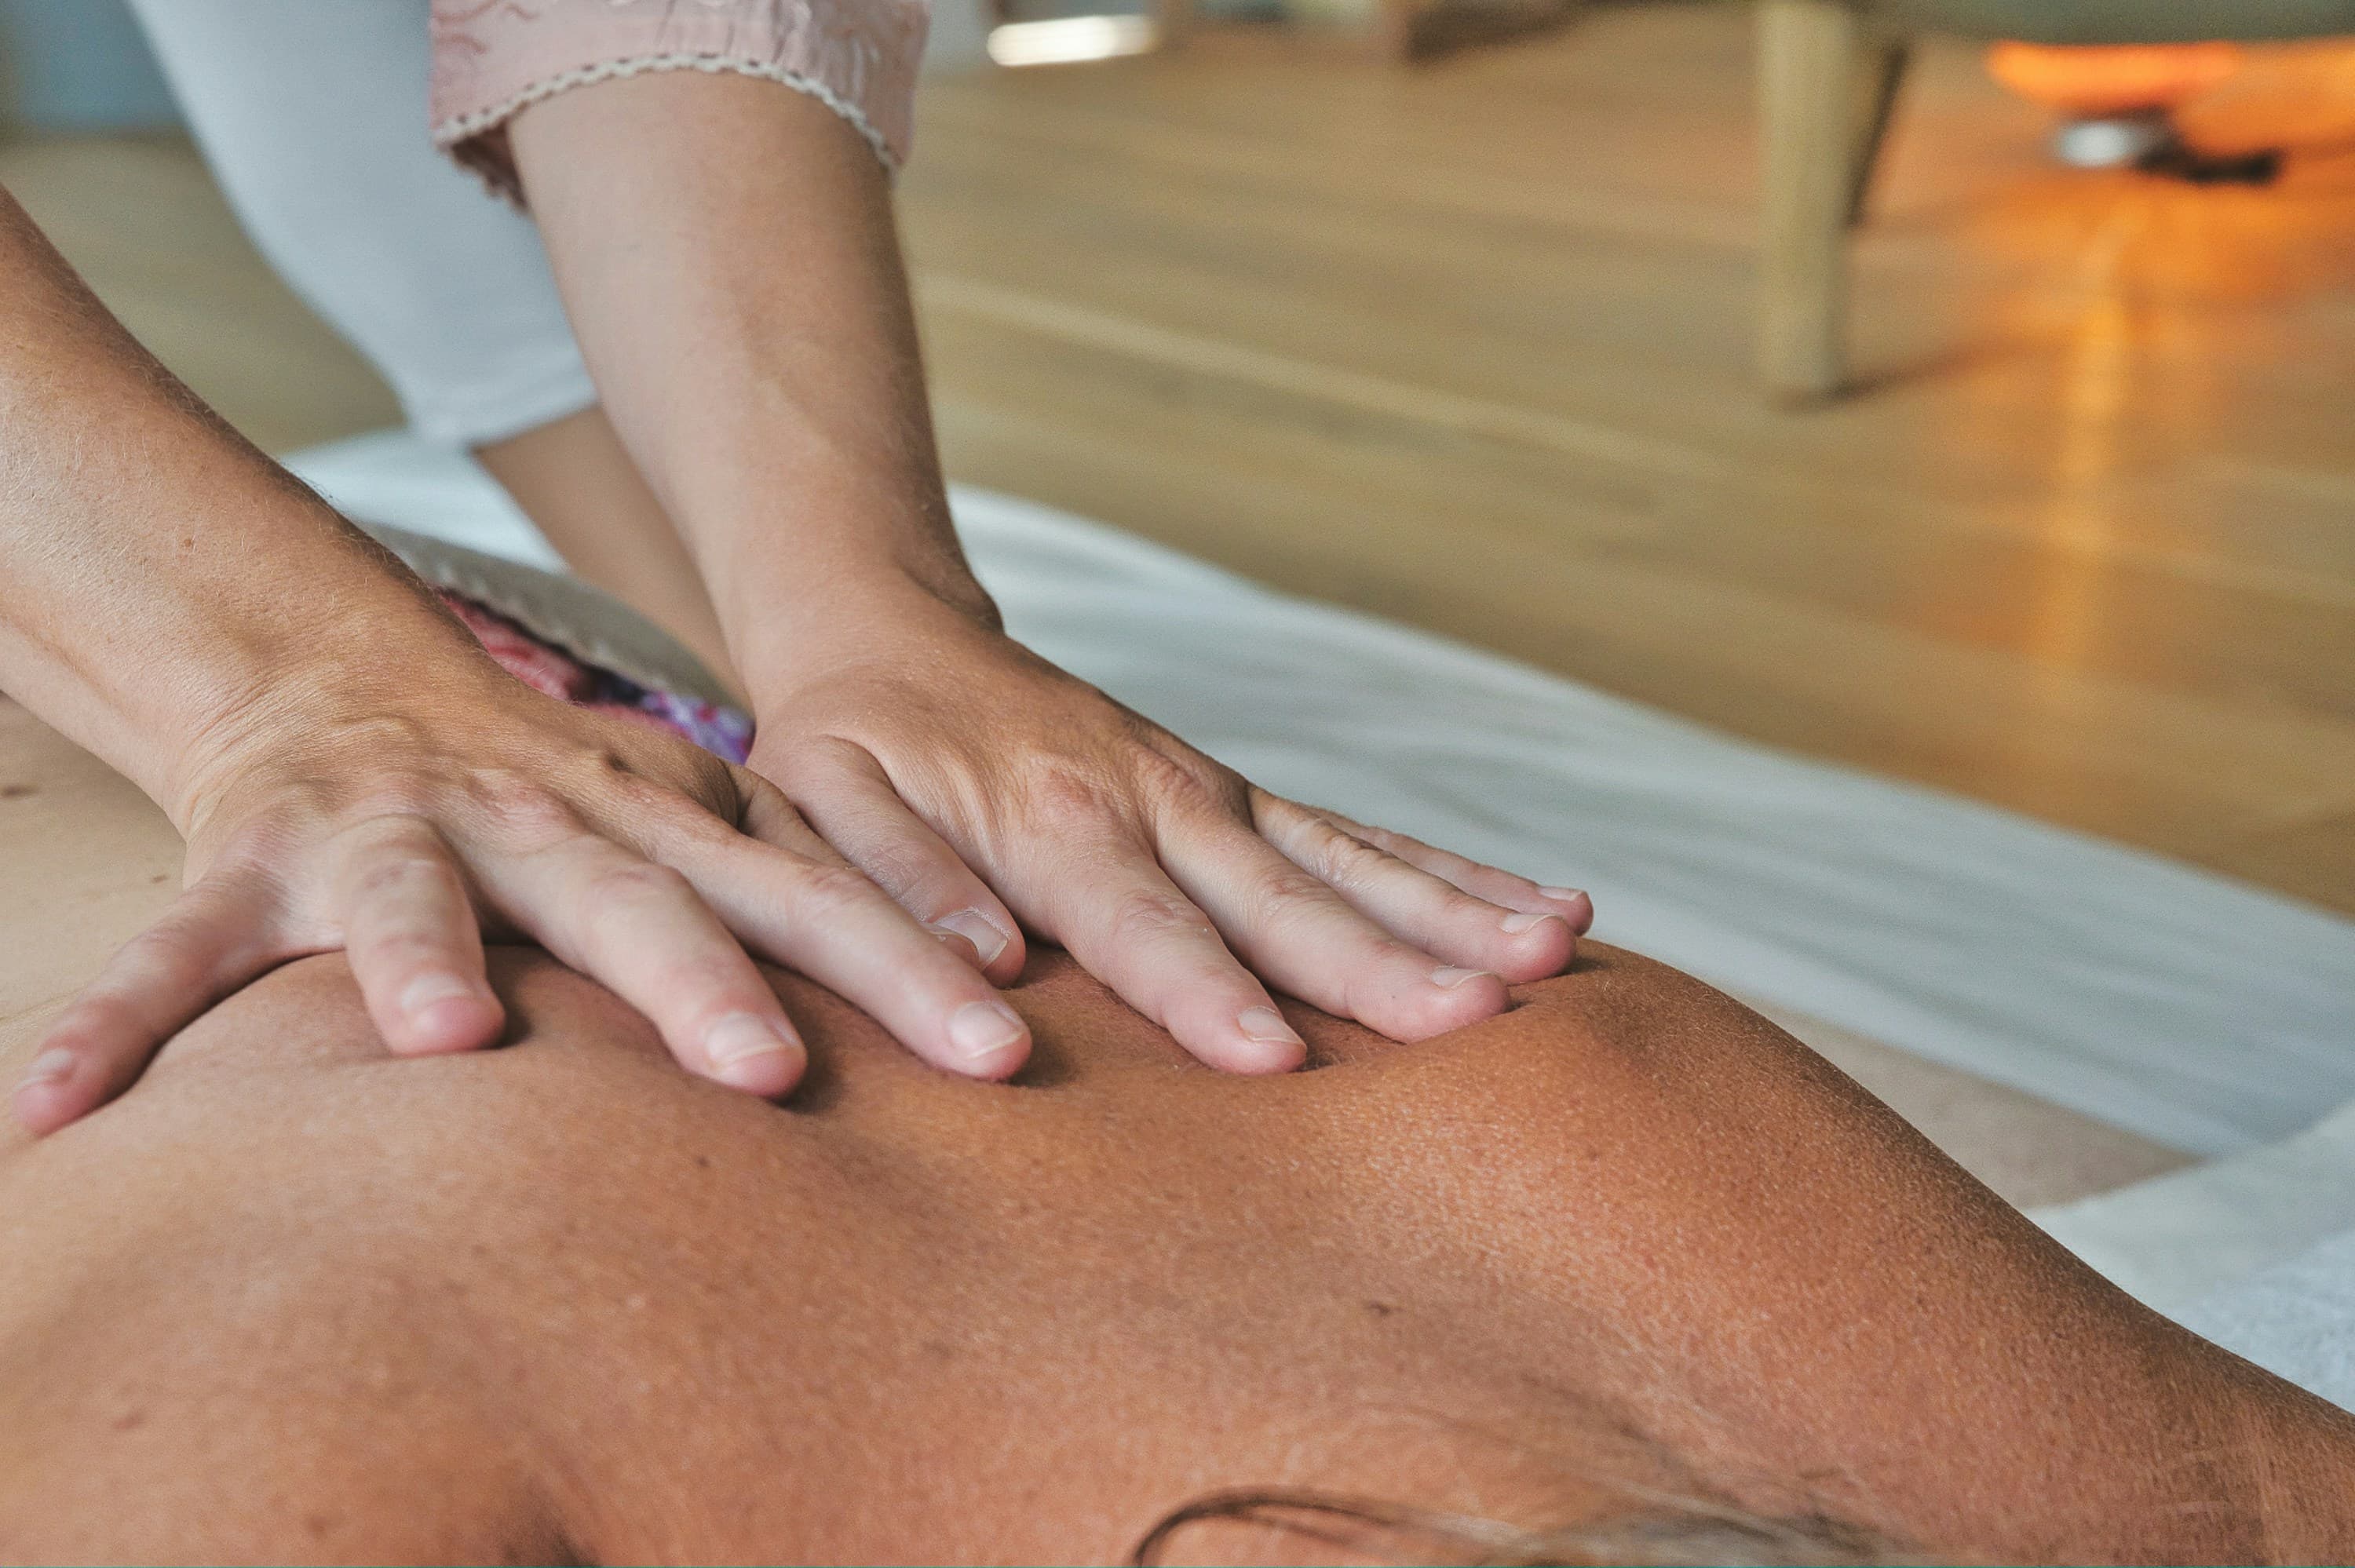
[(492, 58), (723, 731)]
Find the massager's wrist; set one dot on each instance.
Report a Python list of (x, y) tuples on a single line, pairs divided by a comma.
[(386, 650), (868, 617)]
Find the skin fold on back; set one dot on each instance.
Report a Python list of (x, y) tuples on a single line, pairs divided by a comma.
[(294, 1298)]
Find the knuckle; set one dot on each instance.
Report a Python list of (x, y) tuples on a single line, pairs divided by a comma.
[(1277, 817), (388, 734), (1189, 778), (676, 827), (399, 951), (401, 794), (1163, 777), (1454, 903), (638, 794), (1383, 841), (906, 869), (1136, 781), (389, 875), (388, 827), (1150, 916), (822, 888), (1066, 792), (1281, 888), (634, 883), (520, 806), (1336, 858), (1290, 906)]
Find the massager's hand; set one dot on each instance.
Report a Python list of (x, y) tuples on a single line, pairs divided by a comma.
[(403, 831), (947, 761)]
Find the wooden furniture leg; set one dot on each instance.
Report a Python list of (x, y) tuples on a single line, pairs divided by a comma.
[(1173, 21), (1881, 77), (1814, 76)]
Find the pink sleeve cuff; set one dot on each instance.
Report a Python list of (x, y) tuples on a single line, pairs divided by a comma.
[(492, 58)]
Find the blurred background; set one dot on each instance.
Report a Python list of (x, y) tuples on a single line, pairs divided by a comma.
[(1538, 325)]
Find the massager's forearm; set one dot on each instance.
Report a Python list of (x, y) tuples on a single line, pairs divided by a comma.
[(727, 254), (158, 576)]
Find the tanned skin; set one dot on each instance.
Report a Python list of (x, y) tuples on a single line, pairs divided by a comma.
[(295, 1299)]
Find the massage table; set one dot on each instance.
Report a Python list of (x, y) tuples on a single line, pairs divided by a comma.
[(2148, 1058)]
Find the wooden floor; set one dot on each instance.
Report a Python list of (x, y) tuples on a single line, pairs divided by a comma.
[(1467, 345)]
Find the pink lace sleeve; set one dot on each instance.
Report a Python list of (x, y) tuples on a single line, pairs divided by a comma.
[(491, 58)]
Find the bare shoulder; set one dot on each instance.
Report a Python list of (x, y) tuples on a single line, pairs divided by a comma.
[(253, 1308), (1617, 1025), (235, 1422)]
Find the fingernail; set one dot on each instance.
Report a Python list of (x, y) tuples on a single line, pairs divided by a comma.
[(429, 989), (1561, 894), (1450, 976), (988, 937), (739, 1045), (982, 1029), (1515, 925), (48, 1067), (1267, 1026)]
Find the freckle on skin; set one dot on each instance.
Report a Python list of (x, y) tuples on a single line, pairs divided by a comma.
[(131, 1421), (17, 791)]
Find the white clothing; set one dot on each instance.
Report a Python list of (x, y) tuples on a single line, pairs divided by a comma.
[(312, 114)]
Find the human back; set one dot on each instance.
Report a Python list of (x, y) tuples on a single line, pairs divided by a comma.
[(296, 1300)]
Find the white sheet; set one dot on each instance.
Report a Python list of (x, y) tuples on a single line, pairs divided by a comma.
[(2176, 1239), (2195, 1010), (2295, 1319)]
